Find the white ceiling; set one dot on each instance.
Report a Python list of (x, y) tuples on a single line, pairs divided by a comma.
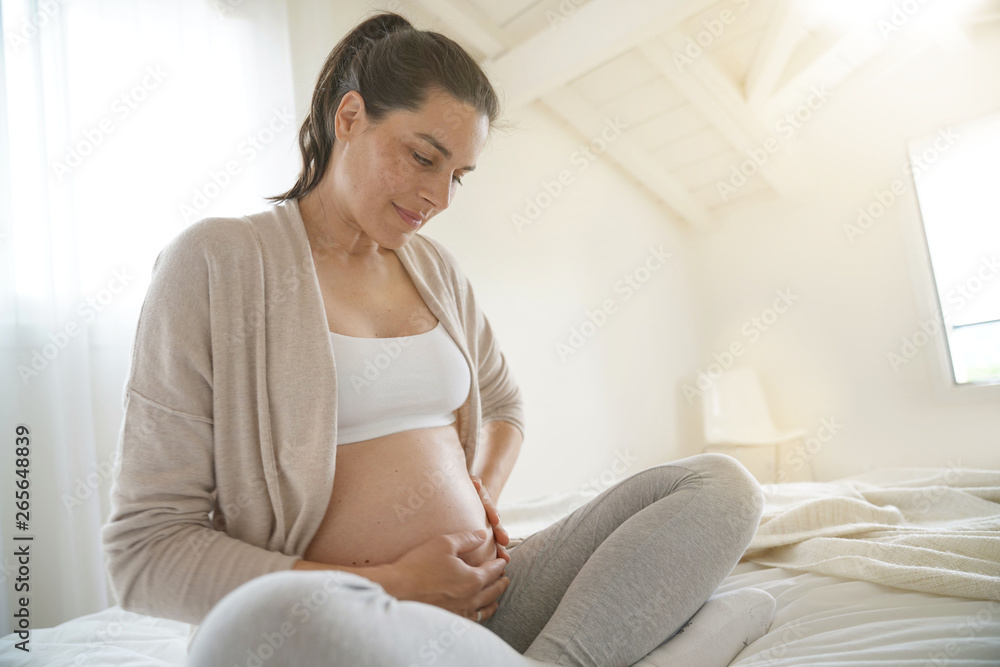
[(690, 122)]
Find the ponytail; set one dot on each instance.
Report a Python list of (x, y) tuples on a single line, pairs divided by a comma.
[(393, 66)]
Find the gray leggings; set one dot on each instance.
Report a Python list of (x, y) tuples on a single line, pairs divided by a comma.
[(603, 586)]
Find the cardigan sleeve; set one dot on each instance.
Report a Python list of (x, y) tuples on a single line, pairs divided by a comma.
[(162, 555), (499, 392)]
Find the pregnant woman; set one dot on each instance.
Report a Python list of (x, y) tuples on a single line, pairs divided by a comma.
[(319, 420)]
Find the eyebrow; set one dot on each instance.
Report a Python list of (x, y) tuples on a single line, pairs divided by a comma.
[(444, 151)]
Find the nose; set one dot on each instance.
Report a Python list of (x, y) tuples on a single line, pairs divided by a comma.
[(438, 191)]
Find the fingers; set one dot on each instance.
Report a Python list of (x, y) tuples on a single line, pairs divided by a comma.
[(487, 612), (467, 540), (478, 483), (489, 600), (502, 552), (490, 571), (491, 511), (481, 488), (484, 493)]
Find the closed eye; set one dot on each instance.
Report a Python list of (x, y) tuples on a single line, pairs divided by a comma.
[(424, 161)]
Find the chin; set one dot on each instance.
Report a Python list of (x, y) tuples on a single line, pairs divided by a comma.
[(400, 241)]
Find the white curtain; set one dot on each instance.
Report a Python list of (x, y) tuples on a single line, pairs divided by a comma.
[(121, 123)]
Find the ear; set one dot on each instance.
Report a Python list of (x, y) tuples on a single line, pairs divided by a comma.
[(350, 119)]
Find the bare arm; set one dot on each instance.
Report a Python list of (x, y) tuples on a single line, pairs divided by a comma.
[(499, 446)]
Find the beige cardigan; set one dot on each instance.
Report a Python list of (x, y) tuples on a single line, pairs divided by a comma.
[(226, 453)]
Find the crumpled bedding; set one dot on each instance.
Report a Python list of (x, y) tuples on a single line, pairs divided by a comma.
[(921, 529)]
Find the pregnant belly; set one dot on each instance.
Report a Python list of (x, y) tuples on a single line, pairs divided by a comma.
[(395, 492)]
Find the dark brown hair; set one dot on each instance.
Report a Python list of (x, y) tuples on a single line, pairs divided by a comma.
[(393, 66)]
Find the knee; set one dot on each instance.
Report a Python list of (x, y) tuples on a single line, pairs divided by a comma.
[(264, 612), (722, 477), (731, 477)]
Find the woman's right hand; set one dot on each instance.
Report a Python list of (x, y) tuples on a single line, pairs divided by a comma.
[(433, 573)]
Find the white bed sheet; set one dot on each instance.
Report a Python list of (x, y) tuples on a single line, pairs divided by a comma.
[(819, 620), (109, 638), (822, 620)]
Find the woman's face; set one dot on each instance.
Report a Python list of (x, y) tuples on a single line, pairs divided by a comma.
[(411, 160)]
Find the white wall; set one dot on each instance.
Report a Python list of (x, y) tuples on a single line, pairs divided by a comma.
[(827, 356)]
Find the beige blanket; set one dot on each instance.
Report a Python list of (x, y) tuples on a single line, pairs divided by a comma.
[(935, 530)]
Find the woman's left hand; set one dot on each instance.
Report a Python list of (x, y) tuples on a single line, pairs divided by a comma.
[(500, 535)]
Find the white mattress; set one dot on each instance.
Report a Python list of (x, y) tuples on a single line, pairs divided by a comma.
[(819, 620)]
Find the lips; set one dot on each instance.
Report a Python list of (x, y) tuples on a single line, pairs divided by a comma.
[(410, 217)]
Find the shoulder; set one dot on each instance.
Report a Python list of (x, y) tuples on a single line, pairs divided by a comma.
[(213, 240), (430, 252), (213, 234)]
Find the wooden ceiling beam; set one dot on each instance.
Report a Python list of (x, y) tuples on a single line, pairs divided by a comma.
[(635, 159), (782, 32), (595, 33), (718, 99)]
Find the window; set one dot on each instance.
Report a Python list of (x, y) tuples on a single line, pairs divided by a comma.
[(956, 173)]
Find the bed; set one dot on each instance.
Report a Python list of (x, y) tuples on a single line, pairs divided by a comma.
[(896, 566)]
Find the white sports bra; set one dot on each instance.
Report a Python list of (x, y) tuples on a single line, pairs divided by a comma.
[(387, 385)]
